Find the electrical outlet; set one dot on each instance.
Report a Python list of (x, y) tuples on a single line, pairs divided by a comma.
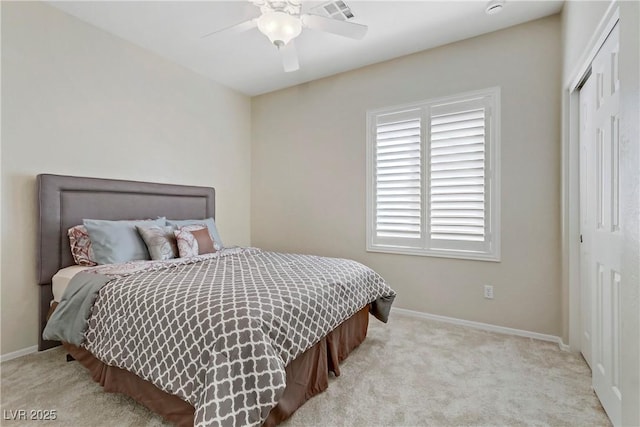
[(488, 291)]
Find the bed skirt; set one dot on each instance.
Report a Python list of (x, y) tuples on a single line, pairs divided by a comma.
[(307, 375)]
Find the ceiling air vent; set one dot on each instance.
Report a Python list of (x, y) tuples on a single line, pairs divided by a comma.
[(334, 9)]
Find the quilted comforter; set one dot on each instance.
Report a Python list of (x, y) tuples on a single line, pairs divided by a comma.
[(218, 331)]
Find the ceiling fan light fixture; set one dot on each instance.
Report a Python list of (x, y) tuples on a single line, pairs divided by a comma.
[(279, 27)]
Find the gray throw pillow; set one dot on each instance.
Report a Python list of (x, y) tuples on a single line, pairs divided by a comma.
[(160, 241), (118, 241), (209, 222)]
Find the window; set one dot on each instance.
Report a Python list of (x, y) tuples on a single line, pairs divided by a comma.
[(433, 177)]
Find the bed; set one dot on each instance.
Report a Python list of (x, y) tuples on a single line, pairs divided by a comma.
[(64, 201)]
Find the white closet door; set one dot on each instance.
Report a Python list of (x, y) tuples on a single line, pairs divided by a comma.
[(601, 221)]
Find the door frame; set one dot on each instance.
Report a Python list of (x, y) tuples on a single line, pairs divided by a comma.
[(571, 178)]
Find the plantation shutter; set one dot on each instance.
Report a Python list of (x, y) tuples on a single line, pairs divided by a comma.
[(433, 177), (458, 175), (398, 183)]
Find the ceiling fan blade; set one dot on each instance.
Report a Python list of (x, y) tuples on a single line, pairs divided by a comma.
[(289, 57), (236, 28), (341, 28)]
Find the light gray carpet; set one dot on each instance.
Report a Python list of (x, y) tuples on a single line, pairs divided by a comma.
[(409, 372)]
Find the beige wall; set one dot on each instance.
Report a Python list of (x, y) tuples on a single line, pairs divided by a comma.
[(308, 173), (77, 100), (579, 21), (630, 209)]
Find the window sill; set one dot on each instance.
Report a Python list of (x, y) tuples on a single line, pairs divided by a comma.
[(474, 256)]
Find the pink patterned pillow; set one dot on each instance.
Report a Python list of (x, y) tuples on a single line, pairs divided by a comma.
[(81, 246), (187, 243)]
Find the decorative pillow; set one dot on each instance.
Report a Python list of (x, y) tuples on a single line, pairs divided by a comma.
[(114, 242), (194, 240), (160, 241), (81, 248), (205, 243), (187, 243), (209, 222)]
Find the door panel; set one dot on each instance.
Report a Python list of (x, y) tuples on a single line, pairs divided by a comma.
[(600, 222)]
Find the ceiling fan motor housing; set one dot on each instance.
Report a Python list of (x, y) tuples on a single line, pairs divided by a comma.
[(292, 7)]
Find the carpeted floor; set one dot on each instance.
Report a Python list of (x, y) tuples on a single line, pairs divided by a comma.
[(409, 372)]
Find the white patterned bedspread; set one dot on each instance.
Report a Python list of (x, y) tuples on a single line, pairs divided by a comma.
[(218, 331)]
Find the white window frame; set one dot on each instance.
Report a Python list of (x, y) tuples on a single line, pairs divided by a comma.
[(423, 247)]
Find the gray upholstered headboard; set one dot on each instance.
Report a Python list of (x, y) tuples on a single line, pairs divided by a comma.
[(64, 201)]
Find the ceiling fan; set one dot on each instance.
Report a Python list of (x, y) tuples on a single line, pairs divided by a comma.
[(282, 21)]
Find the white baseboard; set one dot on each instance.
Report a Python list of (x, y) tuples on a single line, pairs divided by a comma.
[(484, 326), (16, 354)]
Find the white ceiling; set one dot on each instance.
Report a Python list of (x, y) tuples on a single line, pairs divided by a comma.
[(247, 61)]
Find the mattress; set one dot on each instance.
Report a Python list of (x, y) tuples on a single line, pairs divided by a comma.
[(61, 280)]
